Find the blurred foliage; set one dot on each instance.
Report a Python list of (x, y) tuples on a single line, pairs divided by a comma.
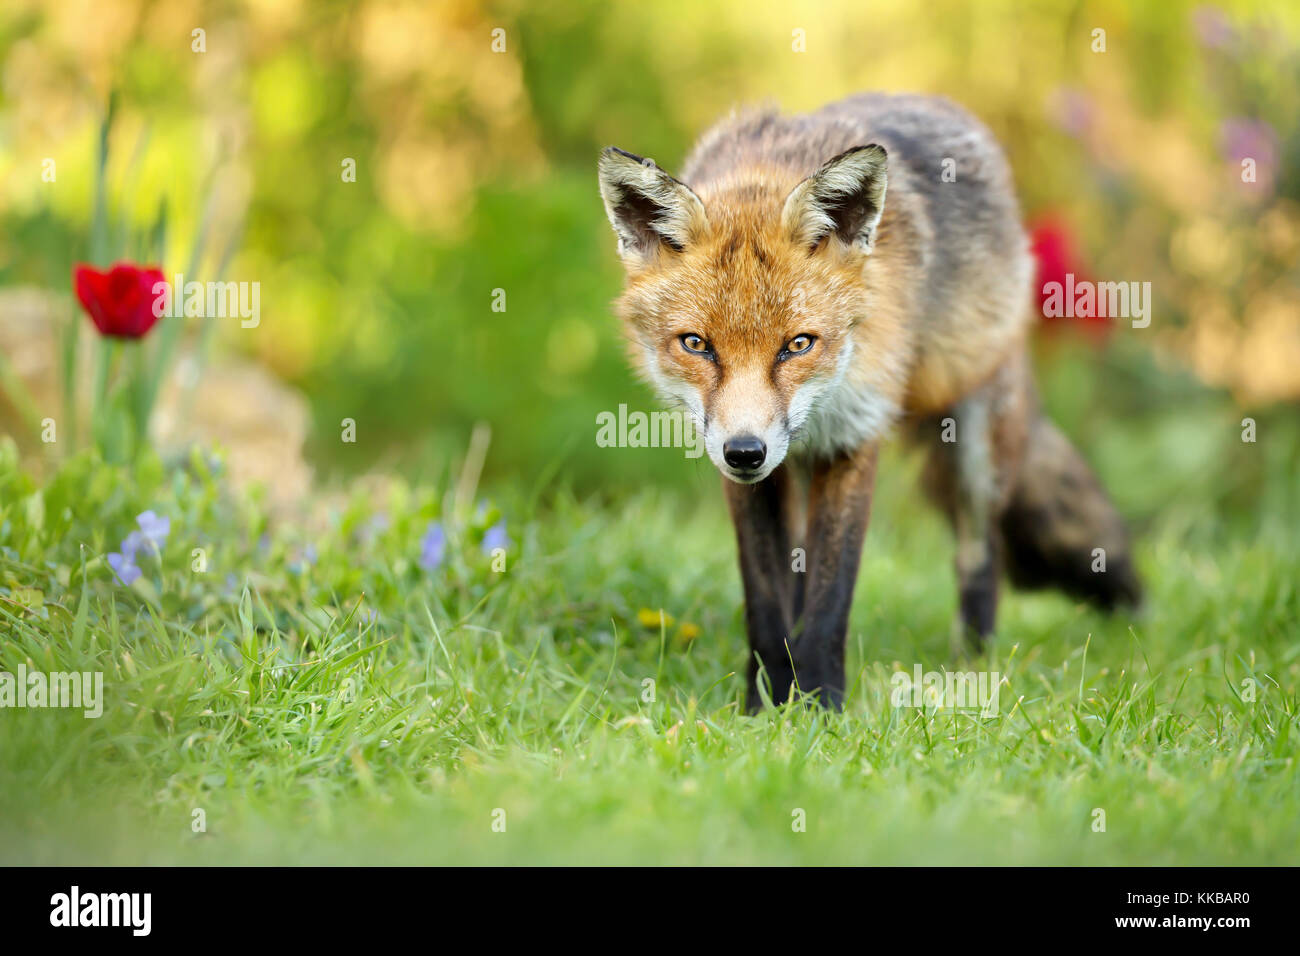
[(475, 171)]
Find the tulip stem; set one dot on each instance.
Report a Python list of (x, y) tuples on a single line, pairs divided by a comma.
[(71, 339), (99, 411)]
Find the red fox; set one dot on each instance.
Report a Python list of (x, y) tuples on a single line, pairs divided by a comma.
[(814, 281)]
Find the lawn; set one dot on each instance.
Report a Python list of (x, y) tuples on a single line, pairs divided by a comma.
[(342, 688)]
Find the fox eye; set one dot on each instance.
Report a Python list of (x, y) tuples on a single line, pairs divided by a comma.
[(696, 345), (798, 344)]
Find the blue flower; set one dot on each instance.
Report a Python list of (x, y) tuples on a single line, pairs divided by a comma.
[(154, 528), (373, 528), (132, 544), (305, 559), (123, 566), (495, 537), (151, 536), (433, 547)]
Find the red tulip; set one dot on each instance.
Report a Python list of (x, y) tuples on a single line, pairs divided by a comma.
[(1056, 256), (120, 301)]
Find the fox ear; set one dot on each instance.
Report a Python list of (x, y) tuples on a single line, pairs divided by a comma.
[(646, 206), (845, 197)]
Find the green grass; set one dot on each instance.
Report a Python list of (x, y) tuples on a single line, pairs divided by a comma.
[(262, 692)]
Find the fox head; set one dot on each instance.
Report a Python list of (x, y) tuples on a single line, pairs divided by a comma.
[(741, 305)]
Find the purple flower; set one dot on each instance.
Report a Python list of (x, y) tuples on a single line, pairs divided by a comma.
[(1242, 138), (495, 537), (433, 547), (1073, 111), (123, 566), (1213, 28), (155, 529)]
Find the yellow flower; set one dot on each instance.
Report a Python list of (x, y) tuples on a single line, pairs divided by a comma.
[(654, 619)]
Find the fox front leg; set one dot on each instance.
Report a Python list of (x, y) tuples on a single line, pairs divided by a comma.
[(839, 509), (766, 516)]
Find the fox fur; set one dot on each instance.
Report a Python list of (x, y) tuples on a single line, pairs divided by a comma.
[(811, 283)]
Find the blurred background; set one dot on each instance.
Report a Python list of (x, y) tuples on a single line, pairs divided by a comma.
[(473, 128)]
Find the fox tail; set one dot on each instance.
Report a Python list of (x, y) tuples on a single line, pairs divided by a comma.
[(1061, 530)]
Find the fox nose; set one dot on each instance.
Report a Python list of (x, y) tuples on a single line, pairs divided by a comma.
[(746, 452)]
